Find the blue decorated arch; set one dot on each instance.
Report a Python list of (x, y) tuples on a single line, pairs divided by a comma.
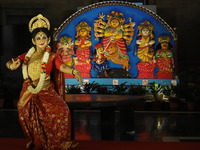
[(138, 14)]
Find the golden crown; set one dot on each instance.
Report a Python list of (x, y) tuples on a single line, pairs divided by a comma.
[(65, 39), (116, 15), (145, 24), (83, 25), (39, 21)]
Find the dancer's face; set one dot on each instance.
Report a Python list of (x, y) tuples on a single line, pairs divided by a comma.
[(41, 41)]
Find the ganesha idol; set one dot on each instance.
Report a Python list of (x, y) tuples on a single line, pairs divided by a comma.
[(114, 33), (83, 43), (145, 51), (164, 58), (65, 49)]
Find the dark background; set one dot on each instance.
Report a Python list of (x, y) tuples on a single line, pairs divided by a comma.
[(15, 38)]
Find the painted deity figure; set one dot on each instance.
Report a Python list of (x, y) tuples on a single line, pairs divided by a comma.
[(115, 33), (145, 50), (83, 43), (164, 58), (100, 61), (66, 52)]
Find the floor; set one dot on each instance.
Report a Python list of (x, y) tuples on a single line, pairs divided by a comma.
[(148, 126)]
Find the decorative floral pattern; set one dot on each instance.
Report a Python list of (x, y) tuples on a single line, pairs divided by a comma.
[(46, 120), (45, 117)]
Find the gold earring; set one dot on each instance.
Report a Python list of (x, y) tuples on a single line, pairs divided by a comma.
[(49, 40), (33, 42)]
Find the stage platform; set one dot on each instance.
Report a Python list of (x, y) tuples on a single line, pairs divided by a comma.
[(107, 104), (19, 144)]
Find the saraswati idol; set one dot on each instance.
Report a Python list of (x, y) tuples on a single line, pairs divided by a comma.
[(145, 50)]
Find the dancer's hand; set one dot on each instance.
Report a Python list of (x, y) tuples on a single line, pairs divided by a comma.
[(13, 65), (77, 74)]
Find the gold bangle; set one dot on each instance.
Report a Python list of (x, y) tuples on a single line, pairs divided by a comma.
[(9, 66), (73, 71)]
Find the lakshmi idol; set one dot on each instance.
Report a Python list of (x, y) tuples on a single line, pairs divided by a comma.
[(66, 52), (83, 42), (43, 114)]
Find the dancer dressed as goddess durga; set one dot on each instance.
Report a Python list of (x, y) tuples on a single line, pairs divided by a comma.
[(43, 114)]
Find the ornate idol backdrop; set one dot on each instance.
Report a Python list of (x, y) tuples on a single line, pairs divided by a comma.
[(110, 40)]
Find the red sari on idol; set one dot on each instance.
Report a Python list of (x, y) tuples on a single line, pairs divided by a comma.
[(45, 117), (120, 44), (83, 54)]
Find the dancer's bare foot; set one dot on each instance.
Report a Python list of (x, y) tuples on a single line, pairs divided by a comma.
[(30, 145), (74, 145)]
